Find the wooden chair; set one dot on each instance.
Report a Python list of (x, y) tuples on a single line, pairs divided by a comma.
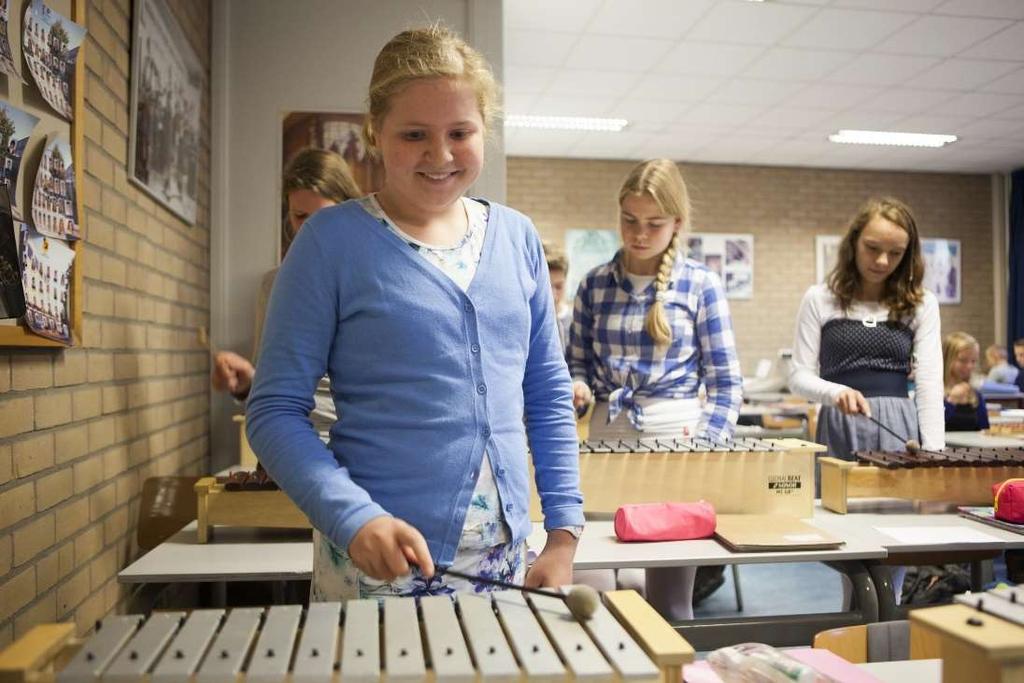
[(886, 641), (168, 504)]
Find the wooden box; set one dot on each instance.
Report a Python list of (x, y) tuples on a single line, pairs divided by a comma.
[(217, 506)]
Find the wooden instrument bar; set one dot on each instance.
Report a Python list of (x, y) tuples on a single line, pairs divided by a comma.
[(957, 475), (502, 637)]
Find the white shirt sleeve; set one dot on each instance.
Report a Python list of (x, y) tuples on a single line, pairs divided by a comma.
[(803, 378), (931, 415)]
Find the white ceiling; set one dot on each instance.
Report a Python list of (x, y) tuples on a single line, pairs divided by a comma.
[(731, 81)]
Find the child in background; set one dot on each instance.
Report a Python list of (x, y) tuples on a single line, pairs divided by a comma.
[(1018, 355), (558, 270), (649, 328), (965, 407), (432, 314), (999, 370), (313, 179)]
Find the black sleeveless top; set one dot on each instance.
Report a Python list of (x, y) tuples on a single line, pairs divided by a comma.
[(871, 357)]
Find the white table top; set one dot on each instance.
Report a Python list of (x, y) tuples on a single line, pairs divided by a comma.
[(599, 549), (979, 440), (944, 532), (233, 554), (917, 670)]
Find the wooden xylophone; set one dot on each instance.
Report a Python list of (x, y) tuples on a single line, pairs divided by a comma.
[(956, 475), (504, 637), (736, 476), (979, 639)]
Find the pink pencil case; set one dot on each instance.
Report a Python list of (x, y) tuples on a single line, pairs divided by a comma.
[(665, 521)]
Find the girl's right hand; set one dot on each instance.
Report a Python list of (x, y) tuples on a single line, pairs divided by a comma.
[(581, 395), (852, 402), (960, 394), (385, 547), (232, 373)]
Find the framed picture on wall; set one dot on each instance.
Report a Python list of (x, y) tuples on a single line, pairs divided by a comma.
[(730, 255), (942, 271), (167, 82), (587, 249), (335, 131)]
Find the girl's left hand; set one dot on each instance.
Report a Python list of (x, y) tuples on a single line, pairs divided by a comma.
[(553, 567), (960, 393)]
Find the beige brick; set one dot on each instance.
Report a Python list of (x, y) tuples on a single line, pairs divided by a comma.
[(5, 373), (54, 488), (103, 568), (16, 592), (101, 366), (101, 433), (71, 443), (87, 402), (44, 611), (102, 501), (99, 300), (16, 416), (99, 163), (114, 206), (93, 125), (88, 544), (113, 270), (32, 538), (16, 504), (92, 193), (6, 553), (88, 473), (52, 567), (72, 517), (115, 525), (52, 408), (32, 371), (70, 368), (33, 454), (72, 591), (6, 463)]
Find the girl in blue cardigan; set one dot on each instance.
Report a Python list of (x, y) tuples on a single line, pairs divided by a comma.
[(432, 315)]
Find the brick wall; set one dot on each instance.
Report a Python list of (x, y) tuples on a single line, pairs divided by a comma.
[(784, 208), (81, 429)]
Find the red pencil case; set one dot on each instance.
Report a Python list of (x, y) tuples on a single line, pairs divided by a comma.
[(1009, 500), (665, 521)]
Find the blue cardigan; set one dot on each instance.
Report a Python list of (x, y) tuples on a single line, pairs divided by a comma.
[(424, 376)]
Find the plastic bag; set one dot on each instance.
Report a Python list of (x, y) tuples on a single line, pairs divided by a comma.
[(760, 663)]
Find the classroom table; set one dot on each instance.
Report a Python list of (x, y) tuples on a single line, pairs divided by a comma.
[(979, 440), (916, 539), (1016, 398)]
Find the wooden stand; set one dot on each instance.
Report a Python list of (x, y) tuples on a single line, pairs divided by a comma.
[(736, 482), (216, 506), (842, 480), (973, 646)]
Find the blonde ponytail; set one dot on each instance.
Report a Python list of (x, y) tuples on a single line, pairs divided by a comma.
[(656, 323)]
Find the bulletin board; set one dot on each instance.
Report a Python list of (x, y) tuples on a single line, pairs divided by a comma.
[(27, 96)]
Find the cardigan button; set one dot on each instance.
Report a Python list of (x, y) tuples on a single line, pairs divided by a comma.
[(475, 348), (467, 307), (508, 507), (481, 389), (486, 431)]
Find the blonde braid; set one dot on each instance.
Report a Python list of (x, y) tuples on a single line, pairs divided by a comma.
[(657, 322)]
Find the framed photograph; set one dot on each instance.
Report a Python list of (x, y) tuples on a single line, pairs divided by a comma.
[(167, 82), (942, 271), (335, 131), (731, 256), (585, 250), (826, 251)]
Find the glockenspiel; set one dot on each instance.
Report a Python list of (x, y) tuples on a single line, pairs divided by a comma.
[(504, 636)]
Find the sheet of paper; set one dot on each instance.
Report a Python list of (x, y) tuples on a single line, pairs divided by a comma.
[(935, 535)]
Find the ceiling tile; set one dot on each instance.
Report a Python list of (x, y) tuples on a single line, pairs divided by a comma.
[(789, 118), (909, 100), (831, 96), (517, 102), (531, 142), (754, 92), (708, 59), (587, 81), (544, 15), (1007, 44), (1012, 83), (847, 29), (609, 145), (719, 114), (749, 23), (932, 123), (875, 69), (866, 118), (648, 111), (962, 74), (1009, 9), (978, 104), (658, 18), (528, 79), (538, 48), (941, 36), (783, 63), (674, 88), (619, 53), (554, 104), (991, 129), (894, 5)]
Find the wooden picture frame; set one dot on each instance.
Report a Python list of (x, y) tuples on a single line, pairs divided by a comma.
[(19, 334)]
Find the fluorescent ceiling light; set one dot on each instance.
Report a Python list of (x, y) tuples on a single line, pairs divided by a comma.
[(565, 122), (879, 137)]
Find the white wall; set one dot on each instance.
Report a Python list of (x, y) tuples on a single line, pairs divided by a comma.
[(272, 57)]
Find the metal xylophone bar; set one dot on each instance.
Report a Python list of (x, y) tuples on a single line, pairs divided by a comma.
[(950, 457), (695, 445)]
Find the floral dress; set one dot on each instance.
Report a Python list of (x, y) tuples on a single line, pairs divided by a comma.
[(485, 548)]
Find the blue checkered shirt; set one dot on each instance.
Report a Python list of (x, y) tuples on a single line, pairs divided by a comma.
[(609, 348)]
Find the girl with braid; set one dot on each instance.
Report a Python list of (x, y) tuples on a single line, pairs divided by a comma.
[(432, 314), (650, 327)]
